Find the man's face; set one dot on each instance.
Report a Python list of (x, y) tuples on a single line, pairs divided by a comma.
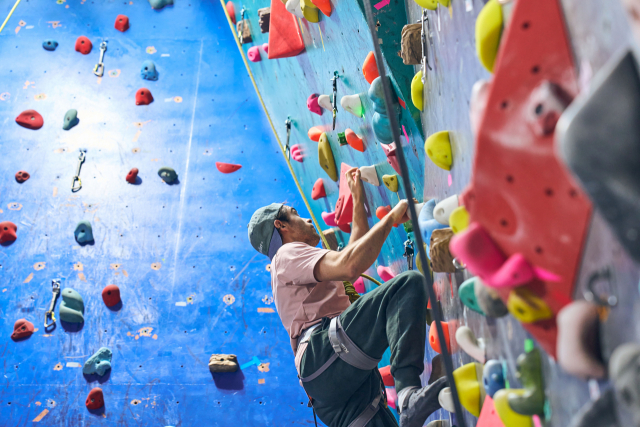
[(299, 229)]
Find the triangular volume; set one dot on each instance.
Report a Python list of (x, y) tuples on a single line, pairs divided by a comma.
[(285, 39)]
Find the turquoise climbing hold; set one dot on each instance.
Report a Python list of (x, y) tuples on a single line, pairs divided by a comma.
[(467, 293), (159, 4), (72, 307), (380, 121), (99, 363), (167, 174), (50, 44), (83, 232), (70, 119), (148, 71)]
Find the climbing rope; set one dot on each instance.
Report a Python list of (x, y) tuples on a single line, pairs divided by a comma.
[(9, 15)]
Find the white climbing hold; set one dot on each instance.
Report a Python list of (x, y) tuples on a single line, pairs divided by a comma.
[(324, 100), (293, 6), (446, 400), (443, 210), (352, 104), (368, 174), (471, 345)]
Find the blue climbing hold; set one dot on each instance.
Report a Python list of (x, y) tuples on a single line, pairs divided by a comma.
[(83, 232), (72, 307), (428, 223), (381, 122), (70, 119), (50, 44), (159, 4), (148, 71), (99, 363), (493, 377)]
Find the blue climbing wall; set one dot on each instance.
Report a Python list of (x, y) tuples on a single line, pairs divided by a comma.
[(191, 284)]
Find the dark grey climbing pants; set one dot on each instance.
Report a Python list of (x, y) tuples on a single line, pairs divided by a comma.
[(393, 315)]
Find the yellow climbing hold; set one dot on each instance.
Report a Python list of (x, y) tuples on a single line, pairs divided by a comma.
[(445, 3), (509, 417), (438, 148), (427, 4), (309, 11), (325, 157), (417, 88), (391, 182), (527, 307), (488, 32), (470, 387), (459, 219)]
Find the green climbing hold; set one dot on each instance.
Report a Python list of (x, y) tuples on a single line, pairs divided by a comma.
[(467, 293), (531, 402), (72, 307), (342, 139), (417, 90), (99, 363), (159, 4), (167, 174), (325, 157), (70, 119)]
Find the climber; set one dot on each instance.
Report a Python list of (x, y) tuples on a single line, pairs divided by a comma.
[(324, 327)]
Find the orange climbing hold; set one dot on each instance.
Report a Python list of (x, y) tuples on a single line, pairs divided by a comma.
[(227, 167), (387, 378), (314, 133), (434, 341), (231, 10), (382, 211), (285, 39), (354, 140), (370, 68), (323, 5), (318, 190)]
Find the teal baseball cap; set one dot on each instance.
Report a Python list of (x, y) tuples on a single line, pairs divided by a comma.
[(263, 234)]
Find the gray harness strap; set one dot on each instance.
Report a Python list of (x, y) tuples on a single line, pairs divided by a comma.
[(348, 351)]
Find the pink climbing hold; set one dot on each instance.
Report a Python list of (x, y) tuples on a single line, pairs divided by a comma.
[(359, 286), (312, 104), (231, 10), (30, 119), (296, 153), (329, 218), (144, 97), (122, 23), (387, 378), (22, 329), (83, 45), (227, 167), (265, 47), (344, 205), (385, 273), (254, 54), (392, 396), (318, 190), (8, 232), (390, 152), (132, 176), (22, 176)]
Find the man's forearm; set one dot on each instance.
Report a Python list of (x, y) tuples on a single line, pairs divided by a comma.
[(362, 253), (359, 225)]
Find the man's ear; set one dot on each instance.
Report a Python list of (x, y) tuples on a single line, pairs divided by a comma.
[(279, 224)]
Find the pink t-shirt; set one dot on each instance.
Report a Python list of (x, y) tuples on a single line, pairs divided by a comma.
[(301, 301)]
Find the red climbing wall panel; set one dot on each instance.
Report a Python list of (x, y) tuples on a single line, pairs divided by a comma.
[(285, 39), (519, 191)]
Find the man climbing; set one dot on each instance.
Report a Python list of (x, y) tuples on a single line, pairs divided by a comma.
[(338, 345)]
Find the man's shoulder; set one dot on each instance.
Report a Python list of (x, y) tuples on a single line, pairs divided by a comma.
[(294, 247)]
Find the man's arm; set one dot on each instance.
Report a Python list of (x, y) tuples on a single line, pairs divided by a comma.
[(359, 225), (353, 260)]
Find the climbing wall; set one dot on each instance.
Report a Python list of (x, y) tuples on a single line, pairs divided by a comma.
[(191, 284)]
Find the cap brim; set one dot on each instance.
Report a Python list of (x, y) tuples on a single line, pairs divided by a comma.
[(276, 243)]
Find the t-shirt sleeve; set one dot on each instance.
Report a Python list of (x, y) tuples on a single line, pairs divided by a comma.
[(296, 262)]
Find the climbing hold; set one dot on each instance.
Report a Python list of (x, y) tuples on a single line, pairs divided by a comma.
[(122, 23), (445, 399), (428, 223), (471, 392), (459, 219), (623, 370), (370, 68), (83, 45), (354, 140), (22, 176), (285, 39), (296, 153), (527, 307), (111, 295), (264, 17), (352, 104), (226, 167), (95, 399), (254, 54), (231, 10), (346, 228), (387, 378), (99, 363), (70, 119), (318, 190), (508, 416), (72, 306), (390, 152), (383, 211), (381, 122), (309, 11), (143, 96), (329, 218), (244, 31), (488, 32), (132, 176), (342, 139), (159, 4), (489, 301), (438, 148), (493, 377), (312, 105), (358, 285), (417, 91), (437, 369), (434, 340), (294, 7), (428, 4), (8, 232), (169, 175), (471, 345), (22, 329), (30, 119), (223, 362), (385, 273), (391, 182), (439, 253), (411, 45), (325, 156), (50, 45), (578, 343), (323, 5), (467, 294), (325, 102), (478, 103), (83, 232), (265, 47), (148, 70), (368, 174), (344, 205), (445, 3), (314, 132), (532, 401)]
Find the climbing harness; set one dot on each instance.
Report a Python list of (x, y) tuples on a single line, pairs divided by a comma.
[(98, 70), (335, 97), (55, 289), (408, 253), (77, 175), (349, 352), (241, 30), (425, 52), (286, 147)]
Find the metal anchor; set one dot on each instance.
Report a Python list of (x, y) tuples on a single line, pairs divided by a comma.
[(425, 51), (287, 149), (408, 253), (55, 288), (241, 30), (77, 176), (98, 70), (335, 97)]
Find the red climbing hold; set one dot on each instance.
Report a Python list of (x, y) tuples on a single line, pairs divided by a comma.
[(83, 45), (22, 176), (30, 119), (122, 23), (318, 190), (95, 399), (323, 5), (315, 132), (111, 295), (144, 97), (22, 329), (383, 211), (132, 176), (346, 228), (8, 232), (370, 68), (344, 205), (227, 167), (285, 39), (387, 379), (434, 341), (354, 140), (231, 10)]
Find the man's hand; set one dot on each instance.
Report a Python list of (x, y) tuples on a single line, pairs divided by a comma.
[(399, 212), (355, 184)]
